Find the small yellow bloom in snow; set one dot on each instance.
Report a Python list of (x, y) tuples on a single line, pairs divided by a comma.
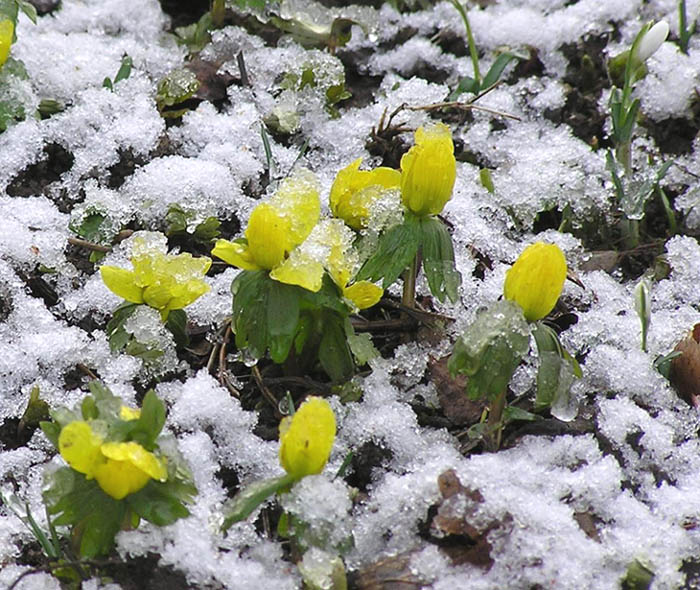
[(354, 191), (274, 231), (126, 413), (428, 171), (162, 281), (536, 279), (7, 32), (120, 468), (306, 438)]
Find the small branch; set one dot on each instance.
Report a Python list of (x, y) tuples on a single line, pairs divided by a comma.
[(89, 245), (301, 381), (85, 369), (240, 60), (267, 394), (465, 106)]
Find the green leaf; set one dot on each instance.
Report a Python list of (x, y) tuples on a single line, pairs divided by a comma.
[(155, 504), (208, 230), (176, 219), (334, 352), (439, 259), (497, 68), (637, 577), (396, 249), (95, 517), (248, 499), (177, 324), (116, 334), (142, 351), (491, 349), (178, 86), (51, 430), (28, 9), (512, 413), (556, 373), (90, 227), (37, 410), (124, 70), (150, 422), (88, 407), (249, 321), (360, 344), (282, 318), (466, 84)]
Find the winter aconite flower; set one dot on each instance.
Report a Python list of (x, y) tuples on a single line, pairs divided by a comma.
[(306, 438), (120, 468), (354, 191), (7, 31), (428, 171), (275, 229), (536, 279), (162, 281)]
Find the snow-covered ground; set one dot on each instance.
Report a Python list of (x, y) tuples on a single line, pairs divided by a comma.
[(634, 472)]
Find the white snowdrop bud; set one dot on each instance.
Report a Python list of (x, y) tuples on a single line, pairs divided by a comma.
[(652, 40)]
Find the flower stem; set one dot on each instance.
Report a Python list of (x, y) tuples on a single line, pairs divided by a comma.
[(495, 423), (218, 12), (470, 40), (409, 284)]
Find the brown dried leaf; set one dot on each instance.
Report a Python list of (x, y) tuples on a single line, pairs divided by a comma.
[(685, 369), (457, 408)]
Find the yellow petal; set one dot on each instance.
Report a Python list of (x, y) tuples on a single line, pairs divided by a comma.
[(120, 478), (299, 270), (183, 295), (122, 282), (428, 171), (234, 254), (7, 31), (354, 191), (363, 294), (269, 236), (126, 413), (136, 455), (298, 200), (307, 439), (536, 279), (157, 296), (80, 447)]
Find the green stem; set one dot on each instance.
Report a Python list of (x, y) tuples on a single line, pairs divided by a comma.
[(670, 216), (409, 284), (683, 33), (495, 423), (218, 13), (470, 40)]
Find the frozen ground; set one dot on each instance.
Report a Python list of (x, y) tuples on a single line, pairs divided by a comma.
[(631, 474)]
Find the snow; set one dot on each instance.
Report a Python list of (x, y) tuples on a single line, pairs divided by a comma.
[(634, 471)]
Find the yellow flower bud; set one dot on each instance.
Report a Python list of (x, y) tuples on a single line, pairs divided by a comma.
[(354, 191), (428, 171), (536, 279), (306, 438), (7, 32)]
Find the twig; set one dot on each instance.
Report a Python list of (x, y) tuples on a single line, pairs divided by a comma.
[(245, 81), (302, 381), (223, 375), (85, 369), (424, 317), (398, 325), (466, 106), (267, 394), (89, 245)]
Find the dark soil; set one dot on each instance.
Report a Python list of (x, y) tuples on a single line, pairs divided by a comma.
[(35, 179)]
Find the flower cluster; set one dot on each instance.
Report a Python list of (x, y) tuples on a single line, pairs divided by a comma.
[(120, 469)]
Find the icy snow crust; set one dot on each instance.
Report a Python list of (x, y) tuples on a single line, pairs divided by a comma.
[(641, 486)]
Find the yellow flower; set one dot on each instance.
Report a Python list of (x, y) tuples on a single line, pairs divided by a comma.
[(274, 231), (342, 263), (536, 279), (120, 468), (162, 281), (306, 438), (126, 413), (354, 191), (7, 32), (428, 171)]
